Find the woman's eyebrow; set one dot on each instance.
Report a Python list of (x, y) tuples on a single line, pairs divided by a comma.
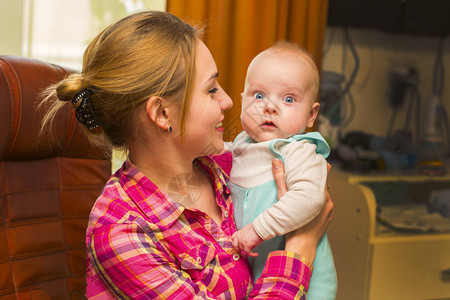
[(213, 76)]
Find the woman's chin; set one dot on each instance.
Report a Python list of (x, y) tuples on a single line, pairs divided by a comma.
[(215, 147)]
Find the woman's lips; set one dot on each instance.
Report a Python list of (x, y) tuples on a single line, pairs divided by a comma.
[(219, 127)]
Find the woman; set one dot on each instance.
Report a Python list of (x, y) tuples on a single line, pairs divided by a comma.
[(162, 226)]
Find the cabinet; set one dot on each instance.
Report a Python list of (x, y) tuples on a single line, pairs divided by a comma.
[(377, 262)]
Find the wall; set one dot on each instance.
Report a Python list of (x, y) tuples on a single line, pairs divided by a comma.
[(378, 51)]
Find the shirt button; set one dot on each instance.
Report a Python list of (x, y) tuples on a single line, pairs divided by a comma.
[(236, 257), (226, 214), (199, 260)]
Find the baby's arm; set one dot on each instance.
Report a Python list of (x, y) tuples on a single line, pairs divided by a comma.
[(306, 174)]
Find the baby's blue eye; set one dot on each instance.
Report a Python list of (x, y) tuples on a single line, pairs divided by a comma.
[(289, 100), (259, 96)]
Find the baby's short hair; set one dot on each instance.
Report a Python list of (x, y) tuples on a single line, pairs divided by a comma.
[(285, 46)]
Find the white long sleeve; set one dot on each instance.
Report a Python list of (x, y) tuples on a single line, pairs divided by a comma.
[(306, 174)]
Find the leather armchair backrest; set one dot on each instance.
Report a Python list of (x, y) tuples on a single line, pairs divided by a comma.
[(47, 188)]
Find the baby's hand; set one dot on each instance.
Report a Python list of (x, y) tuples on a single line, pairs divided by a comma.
[(246, 239)]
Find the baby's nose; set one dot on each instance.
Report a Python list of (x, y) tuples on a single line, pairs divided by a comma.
[(270, 108)]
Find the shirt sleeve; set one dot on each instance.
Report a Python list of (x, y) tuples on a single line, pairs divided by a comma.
[(306, 174), (132, 266), (286, 275)]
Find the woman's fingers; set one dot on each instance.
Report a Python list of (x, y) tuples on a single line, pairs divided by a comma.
[(329, 209), (304, 240), (278, 175)]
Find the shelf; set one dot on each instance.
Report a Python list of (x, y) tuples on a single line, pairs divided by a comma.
[(388, 235)]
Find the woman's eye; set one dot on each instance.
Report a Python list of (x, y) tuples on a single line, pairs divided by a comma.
[(259, 96), (213, 90), (289, 100)]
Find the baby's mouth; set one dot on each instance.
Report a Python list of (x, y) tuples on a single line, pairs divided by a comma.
[(269, 123)]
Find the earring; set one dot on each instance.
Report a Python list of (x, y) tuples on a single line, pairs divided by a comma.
[(169, 129)]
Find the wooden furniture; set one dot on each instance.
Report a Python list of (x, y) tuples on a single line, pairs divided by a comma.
[(376, 262), (47, 188)]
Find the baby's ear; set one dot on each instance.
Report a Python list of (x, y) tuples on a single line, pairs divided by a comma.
[(313, 114)]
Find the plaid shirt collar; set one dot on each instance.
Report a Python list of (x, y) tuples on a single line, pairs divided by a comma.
[(154, 202)]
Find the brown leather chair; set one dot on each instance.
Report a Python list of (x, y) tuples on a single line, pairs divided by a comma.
[(47, 188)]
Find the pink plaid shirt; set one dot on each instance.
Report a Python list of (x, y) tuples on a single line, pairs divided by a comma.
[(143, 245)]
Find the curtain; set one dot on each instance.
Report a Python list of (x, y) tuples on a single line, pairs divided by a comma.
[(237, 30)]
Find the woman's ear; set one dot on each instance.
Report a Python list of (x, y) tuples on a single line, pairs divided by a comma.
[(157, 112), (313, 114)]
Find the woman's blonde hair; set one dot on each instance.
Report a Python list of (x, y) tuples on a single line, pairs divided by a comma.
[(146, 54)]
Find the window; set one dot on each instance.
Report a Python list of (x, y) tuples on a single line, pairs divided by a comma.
[(59, 31)]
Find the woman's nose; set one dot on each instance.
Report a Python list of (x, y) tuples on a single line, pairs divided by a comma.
[(225, 101)]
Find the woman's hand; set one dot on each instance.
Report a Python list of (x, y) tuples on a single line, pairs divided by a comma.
[(304, 240)]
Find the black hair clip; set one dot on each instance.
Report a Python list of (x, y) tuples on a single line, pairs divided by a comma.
[(84, 110)]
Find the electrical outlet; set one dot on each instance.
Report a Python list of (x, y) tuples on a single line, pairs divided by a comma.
[(401, 78)]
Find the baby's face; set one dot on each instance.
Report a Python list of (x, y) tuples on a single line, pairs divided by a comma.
[(278, 100)]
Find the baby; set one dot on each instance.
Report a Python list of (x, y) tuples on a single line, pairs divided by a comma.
[(278, 104)]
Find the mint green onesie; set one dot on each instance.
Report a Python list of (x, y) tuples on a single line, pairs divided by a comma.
[(254, 195)]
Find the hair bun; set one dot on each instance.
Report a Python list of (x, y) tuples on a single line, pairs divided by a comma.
[(70, 86)]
